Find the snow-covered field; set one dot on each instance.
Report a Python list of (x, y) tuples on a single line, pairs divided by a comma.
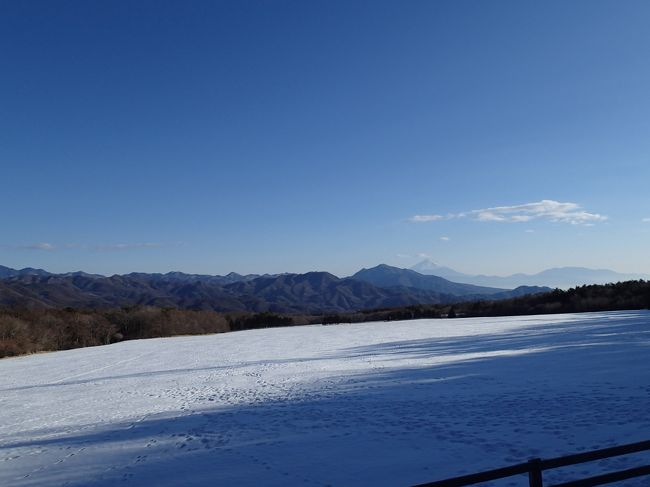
[(368, 404)]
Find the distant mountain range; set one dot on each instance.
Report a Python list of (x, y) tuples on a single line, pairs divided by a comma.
[(385, 276), (6, 272), (314, 292), (560, 277)]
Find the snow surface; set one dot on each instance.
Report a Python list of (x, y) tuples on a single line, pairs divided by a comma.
[(393, 403)]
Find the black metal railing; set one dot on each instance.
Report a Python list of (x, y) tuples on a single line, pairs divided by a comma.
[(536, 466)]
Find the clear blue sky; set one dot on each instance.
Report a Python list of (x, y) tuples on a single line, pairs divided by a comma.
[(271, 136)]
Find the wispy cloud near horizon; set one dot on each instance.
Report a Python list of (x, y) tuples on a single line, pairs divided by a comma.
[(48, 247), (549, 210), (127, 246), (427, 218), (419, 255), (37, 246)]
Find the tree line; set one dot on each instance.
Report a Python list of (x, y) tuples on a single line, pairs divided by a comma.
[(25, 331)]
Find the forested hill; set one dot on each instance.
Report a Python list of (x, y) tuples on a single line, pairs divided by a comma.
[(310, 293), (595, 297), (25, 330)]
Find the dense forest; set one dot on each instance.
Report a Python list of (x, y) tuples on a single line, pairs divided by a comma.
[(35, 330)]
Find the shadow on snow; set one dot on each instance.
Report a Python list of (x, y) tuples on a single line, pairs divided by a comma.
[(552, 389)]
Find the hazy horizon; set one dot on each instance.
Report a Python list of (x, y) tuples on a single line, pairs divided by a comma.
[(340, 275)]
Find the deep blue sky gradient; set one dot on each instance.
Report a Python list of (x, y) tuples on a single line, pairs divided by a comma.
[(292, 136)]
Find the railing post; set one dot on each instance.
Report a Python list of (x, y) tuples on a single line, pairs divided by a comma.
[(534, 472)]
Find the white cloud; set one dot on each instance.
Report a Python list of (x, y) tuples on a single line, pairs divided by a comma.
[(646, 220), (530, 231), (418, 255), (426, 218), (127, 246), (38, 246), (550, 210), (445, 238), (45, 246)]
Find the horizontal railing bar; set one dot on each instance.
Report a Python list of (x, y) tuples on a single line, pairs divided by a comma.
[(590, 456), (557, 462), (485, 476), (608, 477)]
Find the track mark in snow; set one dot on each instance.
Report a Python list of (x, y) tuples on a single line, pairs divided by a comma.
[(114, 364)]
